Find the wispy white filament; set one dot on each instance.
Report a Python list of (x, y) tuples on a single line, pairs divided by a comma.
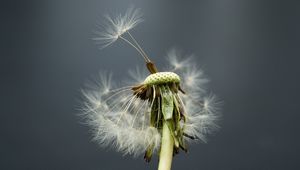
[(177, 61), (117, 119), (114, 28)]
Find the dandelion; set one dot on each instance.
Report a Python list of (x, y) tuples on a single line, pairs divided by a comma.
[(160, 113)]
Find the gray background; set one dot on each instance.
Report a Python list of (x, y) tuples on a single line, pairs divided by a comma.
[(249, 50)]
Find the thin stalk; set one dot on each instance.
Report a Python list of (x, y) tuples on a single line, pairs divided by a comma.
[(124, 39), (166, 151), (150, 65), (138, 45)]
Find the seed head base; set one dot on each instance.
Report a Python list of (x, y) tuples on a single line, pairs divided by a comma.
[(162, 78)]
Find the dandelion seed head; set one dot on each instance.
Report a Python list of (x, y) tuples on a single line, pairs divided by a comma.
[(121, 120), (130, 118)]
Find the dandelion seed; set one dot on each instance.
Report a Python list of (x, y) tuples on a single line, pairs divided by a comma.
[(176, 60), (159, 112), (114, 28)]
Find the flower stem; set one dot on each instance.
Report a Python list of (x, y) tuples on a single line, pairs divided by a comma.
[(166, 151)]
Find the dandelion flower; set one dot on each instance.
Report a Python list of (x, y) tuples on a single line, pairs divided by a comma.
[(158, 113)]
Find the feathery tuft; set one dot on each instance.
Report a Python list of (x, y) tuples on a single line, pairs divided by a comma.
[(113, 28), (118, 118)]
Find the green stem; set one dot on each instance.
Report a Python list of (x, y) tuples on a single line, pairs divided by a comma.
[(166, 151)]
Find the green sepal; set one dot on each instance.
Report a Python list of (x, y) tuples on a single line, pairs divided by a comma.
[(154, 113), (167, 102), (179, 108), (177, 116), (182, 143)]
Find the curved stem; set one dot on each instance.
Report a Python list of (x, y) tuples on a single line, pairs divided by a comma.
[(138, 45), (166, 151), (124, 39)]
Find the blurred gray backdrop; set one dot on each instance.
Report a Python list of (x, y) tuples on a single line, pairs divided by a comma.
[(248, 49)]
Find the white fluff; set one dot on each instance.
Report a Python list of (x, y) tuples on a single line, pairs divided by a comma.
[(193, 79), (121, 120), (201, 116), (201, 109), (113, 28), (177, 61), (137, 76)]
